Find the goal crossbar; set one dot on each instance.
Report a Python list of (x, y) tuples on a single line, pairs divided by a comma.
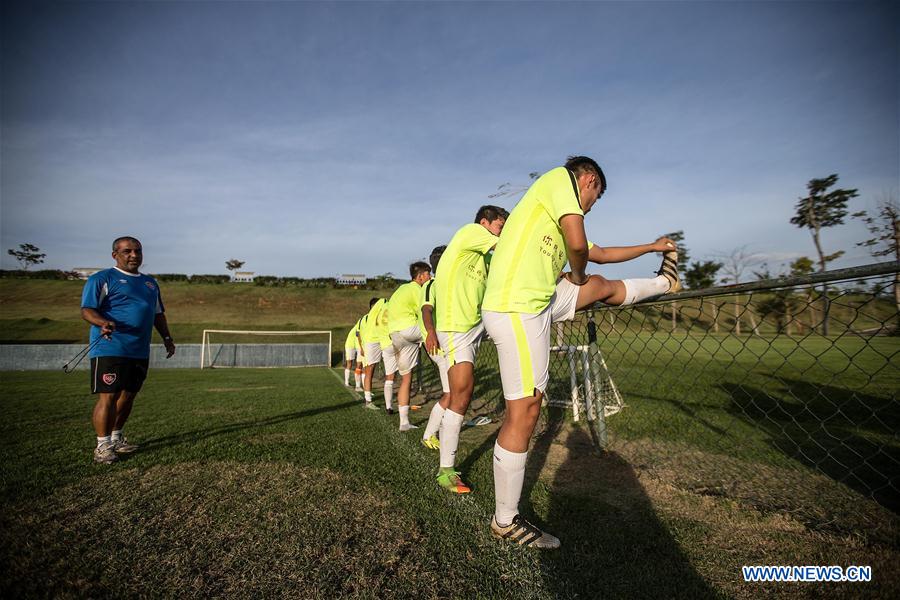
[(206, 346)]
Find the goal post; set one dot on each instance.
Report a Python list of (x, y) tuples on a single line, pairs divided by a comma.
[(230, 348), (591, 386)]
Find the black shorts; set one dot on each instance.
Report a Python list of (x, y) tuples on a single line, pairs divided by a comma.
[(110, 374)]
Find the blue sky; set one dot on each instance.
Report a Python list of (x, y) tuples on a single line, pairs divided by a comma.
[(313, 139)]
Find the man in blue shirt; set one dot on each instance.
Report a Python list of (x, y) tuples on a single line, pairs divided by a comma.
[(123, 306)]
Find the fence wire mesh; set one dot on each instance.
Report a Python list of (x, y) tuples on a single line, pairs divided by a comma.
[(783, 392)]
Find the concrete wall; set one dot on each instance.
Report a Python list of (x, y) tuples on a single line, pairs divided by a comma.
[(52, 357)]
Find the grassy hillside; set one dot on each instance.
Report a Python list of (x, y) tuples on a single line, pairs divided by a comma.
[(37, 311)]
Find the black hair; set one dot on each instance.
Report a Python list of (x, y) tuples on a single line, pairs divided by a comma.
[(373, 301), (491, 213), (417, 268), (583, 164), (435, 257), (126, 238)]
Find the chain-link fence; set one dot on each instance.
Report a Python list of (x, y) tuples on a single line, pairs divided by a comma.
[(775, 390)]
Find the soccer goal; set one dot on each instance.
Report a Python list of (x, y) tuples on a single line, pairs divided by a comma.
[(592, 388), (222, 348)]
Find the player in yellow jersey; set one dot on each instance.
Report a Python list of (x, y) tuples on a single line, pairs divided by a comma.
[(376, 345), (352, 354), (429, 437), (525, 294), (404, 310), (459, 288)]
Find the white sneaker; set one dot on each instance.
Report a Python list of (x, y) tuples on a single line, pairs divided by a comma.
[(371, 406), (408, 426), (105, 454), (122, 446), (524, 533)]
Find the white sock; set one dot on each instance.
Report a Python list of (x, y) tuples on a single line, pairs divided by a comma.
[(362, 378), (638, 289), (101, 441), (346, 376), (404, 415), (116, 435), (434, 421), (368, 396), (356, 379), (388, 393), (509, 475), (450, 426)]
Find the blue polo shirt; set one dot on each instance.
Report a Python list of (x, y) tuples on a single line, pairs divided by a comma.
[(132, 302)]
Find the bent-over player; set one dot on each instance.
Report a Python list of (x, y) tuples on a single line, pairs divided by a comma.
[(403, 324), (459, 289), (525, 294)]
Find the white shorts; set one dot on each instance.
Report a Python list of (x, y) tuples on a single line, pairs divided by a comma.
[(406, 345), (461, 346), (441, 362), (349, 353), (523, 342), (375, 353)]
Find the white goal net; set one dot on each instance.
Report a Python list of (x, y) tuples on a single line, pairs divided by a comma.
[(592, 387), (223, 348)]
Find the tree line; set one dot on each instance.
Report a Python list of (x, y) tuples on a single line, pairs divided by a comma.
[(824, 206)]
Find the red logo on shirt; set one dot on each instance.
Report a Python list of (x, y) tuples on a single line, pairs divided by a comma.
[(109, 378)]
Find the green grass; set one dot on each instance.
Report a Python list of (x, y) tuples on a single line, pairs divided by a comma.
[(253, 482), (731, 450), (277, 483)]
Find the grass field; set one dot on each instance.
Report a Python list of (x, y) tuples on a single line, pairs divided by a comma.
[(277, 483), (731, 450)]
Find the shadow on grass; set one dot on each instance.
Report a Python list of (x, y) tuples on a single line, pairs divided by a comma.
[(202, 434), (839, 432), (613, 543), (472, 457)]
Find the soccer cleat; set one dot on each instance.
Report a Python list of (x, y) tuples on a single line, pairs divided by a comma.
[(408, 426), (371, 406), (669, 270), (389, 411), (123, 447), (105, 454), (414, 407), (357, 389), (524, 533), (432, 443), (450, 480)]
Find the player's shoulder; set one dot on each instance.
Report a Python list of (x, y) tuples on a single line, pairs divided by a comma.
[(401, 290), (473, 234), (471, 229), (553, 179), (554, 176), (427, 290)]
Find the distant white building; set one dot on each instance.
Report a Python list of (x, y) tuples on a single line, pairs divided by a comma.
[(243, 276), (85, 272), (350, 280)]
